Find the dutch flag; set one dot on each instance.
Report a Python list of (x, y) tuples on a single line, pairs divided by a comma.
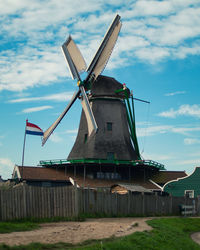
[(33, 129)]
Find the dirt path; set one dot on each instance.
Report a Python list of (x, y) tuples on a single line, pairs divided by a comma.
[(196, 237), (75, 232)]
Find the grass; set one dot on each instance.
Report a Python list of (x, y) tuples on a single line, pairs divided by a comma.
[(32, 223), (167, 234), (8, 227)]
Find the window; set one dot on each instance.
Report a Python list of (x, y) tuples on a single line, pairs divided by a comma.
[(108, 175), (189, 193), (110, 156), (46, 184), (109, 126), (85, 138)]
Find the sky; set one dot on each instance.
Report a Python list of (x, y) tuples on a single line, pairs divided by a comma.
[(157, 55)]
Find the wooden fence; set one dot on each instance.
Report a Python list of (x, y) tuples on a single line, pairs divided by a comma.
[(41, 202), (38, 202), (137, 204)]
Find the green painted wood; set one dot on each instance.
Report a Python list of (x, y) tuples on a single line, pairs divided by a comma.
[(191, 182), (103, 161)]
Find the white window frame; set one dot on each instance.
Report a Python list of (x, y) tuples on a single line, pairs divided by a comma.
[(190, 193)]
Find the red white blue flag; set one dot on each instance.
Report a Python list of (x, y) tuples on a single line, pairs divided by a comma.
[(33, 129)]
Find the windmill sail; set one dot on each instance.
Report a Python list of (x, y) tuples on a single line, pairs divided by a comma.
[(76, 64), (50, 130), (103, 54), (92, 126), (75, 60)]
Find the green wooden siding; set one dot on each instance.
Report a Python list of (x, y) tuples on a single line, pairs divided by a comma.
[(191, 182)]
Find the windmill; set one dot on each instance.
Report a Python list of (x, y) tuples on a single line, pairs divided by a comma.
[(77, 64), (107, 134)]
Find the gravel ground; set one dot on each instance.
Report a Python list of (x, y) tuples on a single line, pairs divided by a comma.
[(76, 232)]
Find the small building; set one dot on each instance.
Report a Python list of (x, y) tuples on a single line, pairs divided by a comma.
[(63, 176), (52, 177), (185, 186), (39, 176), (125, 188)]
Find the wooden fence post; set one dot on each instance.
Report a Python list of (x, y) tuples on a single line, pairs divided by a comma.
[(129, 203), (143, 203), (24, 201), (156, 205), (0, 207), (171, 204), (76, 208), (198, 205)]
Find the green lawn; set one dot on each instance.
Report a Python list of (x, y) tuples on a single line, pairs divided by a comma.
[(167, 233), (32, 223), (8, 227)]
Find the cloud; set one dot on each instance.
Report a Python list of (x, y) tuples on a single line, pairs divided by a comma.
[(29, 67), (163, 129), (184, 110), (60, 97), (144, 8), (175, 93), (32, 32), (6, 168), (153, 130), (194, 162), (195, 154), (179, 27), (42, 16), (157, 157), (55, 138), (9, 7), (185, 130), (152, 54), (58, 137), (1, 137), (191, 141), (170, 113), (36, 109), (170, 27), (182, 52), (73, 131)]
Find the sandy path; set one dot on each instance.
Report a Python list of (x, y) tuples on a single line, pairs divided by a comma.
[(75, 232), (196, 237)]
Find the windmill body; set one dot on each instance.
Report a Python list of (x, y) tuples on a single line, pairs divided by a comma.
[(112, 141)]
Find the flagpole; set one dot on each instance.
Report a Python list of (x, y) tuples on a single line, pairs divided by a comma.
[(24, 145)]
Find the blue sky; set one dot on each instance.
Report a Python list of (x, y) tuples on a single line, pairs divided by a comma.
[(157, 55)]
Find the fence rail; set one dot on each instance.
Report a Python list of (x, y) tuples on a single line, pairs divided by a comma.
[(43, 202)]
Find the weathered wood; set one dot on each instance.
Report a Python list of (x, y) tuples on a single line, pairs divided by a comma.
[(43, 202)]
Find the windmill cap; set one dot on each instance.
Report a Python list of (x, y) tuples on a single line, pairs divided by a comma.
[(107, 86)]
